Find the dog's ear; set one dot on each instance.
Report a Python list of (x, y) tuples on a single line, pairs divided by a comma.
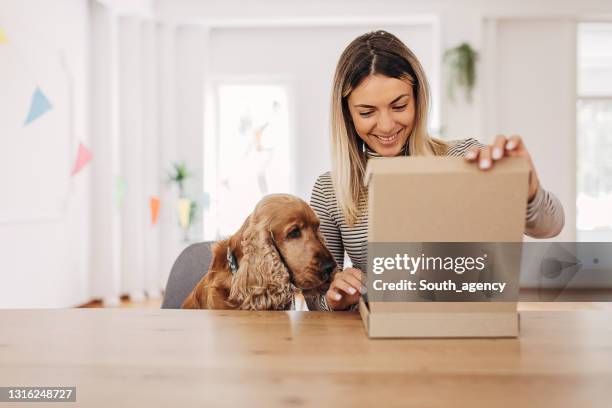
[(192, 301), (262, 281)]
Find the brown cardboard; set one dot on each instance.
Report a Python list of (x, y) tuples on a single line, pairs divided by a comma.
[(444, 199)]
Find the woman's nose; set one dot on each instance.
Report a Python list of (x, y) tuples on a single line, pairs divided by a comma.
[(385, 124)]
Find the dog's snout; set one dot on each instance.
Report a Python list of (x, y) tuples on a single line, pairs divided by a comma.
[(328, 266)]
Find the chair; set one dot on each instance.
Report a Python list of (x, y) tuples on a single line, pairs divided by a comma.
[(186, 272)]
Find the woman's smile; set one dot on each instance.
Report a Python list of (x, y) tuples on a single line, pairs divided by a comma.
[(387, 140)]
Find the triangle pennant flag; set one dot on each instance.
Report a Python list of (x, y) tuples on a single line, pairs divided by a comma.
[(84, 156), (3, 38), (120, 187), (38, 107), (184, 210), (154, 204)]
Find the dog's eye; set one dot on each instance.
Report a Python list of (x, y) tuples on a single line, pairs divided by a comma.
[(294, 233)]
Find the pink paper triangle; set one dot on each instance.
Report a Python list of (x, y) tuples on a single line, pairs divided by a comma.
[(83, 157)]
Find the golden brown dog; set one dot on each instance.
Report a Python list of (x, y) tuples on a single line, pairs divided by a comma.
[(278, 248)]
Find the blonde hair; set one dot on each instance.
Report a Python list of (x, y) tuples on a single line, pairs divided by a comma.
[(377, 52)]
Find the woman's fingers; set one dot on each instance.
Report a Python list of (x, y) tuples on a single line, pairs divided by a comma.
[(342, 284), (354, 282), (512, 146), (499, 147), (348, 281), (502, 146), (484, 158), (334, 294), (356, 278), (514, 142), (345, 289), (471, 154), (357, 274), (481, 155)]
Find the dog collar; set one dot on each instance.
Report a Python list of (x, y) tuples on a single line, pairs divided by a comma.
[(231, 259)]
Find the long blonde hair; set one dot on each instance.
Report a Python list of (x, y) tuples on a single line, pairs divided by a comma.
[(382, 53)]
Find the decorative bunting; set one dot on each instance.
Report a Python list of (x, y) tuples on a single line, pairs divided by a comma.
[(120, 187), (84, 156), (184, 211), (38, 107), (3, 37), (154, 205)]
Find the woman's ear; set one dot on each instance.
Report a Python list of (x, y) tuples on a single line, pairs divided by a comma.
[(262, 281)]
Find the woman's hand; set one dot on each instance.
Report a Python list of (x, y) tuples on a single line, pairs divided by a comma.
[(345, 289), (501, 147)]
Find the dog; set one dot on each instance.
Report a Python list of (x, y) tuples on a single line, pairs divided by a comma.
[(277, 250)]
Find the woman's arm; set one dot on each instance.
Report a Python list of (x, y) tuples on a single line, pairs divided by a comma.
[(545, 215), (322, 193)]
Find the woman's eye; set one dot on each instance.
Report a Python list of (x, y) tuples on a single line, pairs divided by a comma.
[(294, 233), (400, 108), (365, 114)]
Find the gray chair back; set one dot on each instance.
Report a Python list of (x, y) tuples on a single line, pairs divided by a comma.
[(186, 272)]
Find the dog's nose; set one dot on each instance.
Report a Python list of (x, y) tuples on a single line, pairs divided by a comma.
[(328, 267)]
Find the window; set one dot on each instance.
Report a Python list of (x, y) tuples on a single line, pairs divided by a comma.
[(252, 152), (594, 132)]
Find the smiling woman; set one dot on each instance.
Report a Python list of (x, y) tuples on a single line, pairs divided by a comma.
[(380, 101), (386, 120)]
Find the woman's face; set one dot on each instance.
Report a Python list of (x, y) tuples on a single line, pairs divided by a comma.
[(383, 111)]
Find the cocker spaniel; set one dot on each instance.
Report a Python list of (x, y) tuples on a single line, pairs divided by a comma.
[(278, 248)]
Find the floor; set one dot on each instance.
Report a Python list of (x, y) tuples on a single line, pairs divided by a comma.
[(127, 303)]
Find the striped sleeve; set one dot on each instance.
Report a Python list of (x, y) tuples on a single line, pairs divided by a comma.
[(319, 201), (459, 147), (545, 215)]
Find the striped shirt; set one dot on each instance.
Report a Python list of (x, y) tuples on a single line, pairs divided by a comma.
[(544, 219)]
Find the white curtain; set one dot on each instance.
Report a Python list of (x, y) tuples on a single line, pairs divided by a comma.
[(137, 89)]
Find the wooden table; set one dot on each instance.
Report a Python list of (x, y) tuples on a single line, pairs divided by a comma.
[(175, 358)]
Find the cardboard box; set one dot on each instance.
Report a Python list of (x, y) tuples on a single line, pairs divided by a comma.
[(444, 199)]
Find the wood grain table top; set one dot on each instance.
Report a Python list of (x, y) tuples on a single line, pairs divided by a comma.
[(184, 358)]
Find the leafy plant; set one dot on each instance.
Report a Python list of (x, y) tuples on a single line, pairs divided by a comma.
[(192, 217), (461, 64), (179, 175), (193, 212)]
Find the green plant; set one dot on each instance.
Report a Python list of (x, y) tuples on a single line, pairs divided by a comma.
[(178, 175), (194, 209), (193, 212), (461, 64)]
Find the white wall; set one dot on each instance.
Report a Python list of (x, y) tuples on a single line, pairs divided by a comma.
[(60, 245), (44, 241), (271, 54), (60, 236), (460, 21), (534, 95), (189, 70), (135, 128)]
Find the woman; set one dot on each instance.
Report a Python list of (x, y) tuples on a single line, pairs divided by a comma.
[(380, 101)]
